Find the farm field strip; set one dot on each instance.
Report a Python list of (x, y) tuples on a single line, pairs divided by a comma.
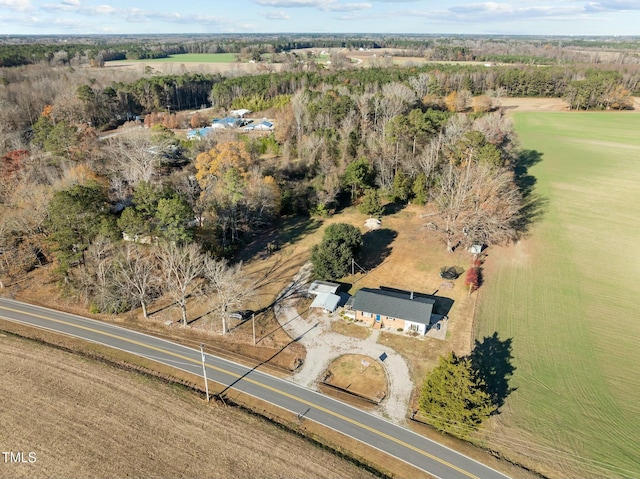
[(188, 58), (567, 295)]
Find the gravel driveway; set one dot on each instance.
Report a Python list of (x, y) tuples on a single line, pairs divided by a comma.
[(324, 345)]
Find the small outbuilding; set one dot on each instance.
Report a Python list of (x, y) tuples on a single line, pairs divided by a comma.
[(239, 113), (327, 301), (373, 224), (319, 287)]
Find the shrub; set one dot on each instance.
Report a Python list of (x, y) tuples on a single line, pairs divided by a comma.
[(473, 278)]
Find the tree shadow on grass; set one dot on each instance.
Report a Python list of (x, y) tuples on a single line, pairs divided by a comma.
[(393, 208), (534, 205), (525, 160), (491, 358), (376, 247), (285, 232)]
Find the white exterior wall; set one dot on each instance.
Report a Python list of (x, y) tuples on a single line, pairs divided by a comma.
[(416, 327)]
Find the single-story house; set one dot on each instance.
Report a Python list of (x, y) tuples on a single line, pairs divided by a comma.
[(262, 126), (199, 133), (393, 308), (229, 122)]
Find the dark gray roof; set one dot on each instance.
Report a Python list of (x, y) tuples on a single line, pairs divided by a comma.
[(396, 304)]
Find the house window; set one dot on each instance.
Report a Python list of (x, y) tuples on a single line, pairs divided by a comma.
[(389, 318), (366, 315), (413, 327)]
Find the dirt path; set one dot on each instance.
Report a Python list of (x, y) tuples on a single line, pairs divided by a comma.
[(533, 104), (546, 104), (324, 345)]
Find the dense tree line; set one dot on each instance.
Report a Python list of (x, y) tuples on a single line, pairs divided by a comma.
[(438, 80), (522, 50)]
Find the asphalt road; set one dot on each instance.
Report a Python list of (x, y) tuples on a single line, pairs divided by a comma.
[(392, 439)]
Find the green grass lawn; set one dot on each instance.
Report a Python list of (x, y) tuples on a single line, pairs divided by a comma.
[(568, 296), (191, 58)]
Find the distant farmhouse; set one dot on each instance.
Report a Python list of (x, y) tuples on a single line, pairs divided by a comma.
[(199, 133), (228, 122), (262, 126), (393, 308)]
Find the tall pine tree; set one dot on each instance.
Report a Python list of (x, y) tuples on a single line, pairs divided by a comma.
[(454, 398)]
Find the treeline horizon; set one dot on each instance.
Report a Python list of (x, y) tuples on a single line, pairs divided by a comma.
[(55, 50)]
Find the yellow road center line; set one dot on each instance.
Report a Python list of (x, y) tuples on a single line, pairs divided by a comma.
[(252, 381)]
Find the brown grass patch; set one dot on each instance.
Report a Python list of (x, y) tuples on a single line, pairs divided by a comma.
[(350, 374), (345, 328)]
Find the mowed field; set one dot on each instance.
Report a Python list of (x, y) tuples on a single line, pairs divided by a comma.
[(568, 298), (85, 419)]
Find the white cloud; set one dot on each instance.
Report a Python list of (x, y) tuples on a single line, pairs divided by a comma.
[(347, 7), (295, 3), (613, 5), (16, 5), (71, 2), (137, 15), (277, 15), (493, 11), (323, 5), (102, 10)]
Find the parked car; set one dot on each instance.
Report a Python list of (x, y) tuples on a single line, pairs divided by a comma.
[(241, 315)]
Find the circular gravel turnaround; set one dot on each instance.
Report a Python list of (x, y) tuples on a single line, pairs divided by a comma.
[(323, 346)]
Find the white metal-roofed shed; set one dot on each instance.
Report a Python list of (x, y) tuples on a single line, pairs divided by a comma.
[(318, 287), (327, 301)]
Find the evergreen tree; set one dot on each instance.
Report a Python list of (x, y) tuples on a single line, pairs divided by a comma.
[(454, 397), (76, 216), (173, 217), (420, 189), (358, 176), (332, 257), (371, 203), (401, 187)]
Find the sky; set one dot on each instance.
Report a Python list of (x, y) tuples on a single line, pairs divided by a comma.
[(509, 17)]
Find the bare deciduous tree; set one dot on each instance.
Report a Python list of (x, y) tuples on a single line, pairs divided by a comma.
[(299, 102), (181, 267), (137, 157), (479, 203), (420, 84), (135, 274), (229, 286)]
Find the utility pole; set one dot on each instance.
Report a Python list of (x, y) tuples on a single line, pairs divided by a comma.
[(204, 371), (253, 320)]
